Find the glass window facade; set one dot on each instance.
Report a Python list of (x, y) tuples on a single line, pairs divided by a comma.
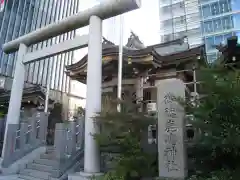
[(179, 18), (20, 17), (220, 20), (216, 8), (203, 21)]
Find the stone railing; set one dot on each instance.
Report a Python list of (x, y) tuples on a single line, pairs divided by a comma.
[(2, 128), (24, 137), (69, 138), (69, 143)]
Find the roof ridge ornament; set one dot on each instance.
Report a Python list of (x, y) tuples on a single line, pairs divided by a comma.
[(107, 42), (134, 42)]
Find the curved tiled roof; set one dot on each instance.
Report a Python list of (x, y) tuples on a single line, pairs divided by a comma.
[(127, 52), (158, 59), (160, 56)]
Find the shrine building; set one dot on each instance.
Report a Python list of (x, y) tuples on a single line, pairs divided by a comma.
[(143, 68)]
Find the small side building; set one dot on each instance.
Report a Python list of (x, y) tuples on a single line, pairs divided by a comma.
[(230, 53)]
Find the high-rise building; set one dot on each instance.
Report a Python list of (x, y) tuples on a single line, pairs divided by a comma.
[(19, 17), (180, 18), (220, 20), (22, 16), (202, 21)]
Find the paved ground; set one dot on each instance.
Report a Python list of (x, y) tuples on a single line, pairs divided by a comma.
[(10, 177)]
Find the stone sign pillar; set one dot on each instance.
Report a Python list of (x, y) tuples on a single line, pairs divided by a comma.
[(171, 129)]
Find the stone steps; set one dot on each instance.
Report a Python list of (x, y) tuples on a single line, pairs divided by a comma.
[(45, 167), (35, 174), (41, 168), (23, 177), (49, 156), (47, 162)]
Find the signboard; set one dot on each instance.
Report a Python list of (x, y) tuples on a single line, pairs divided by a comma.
[(2, 5), (151, 107), (171, 129)]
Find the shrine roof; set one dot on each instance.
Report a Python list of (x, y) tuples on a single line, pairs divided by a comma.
[(163, 57), (137, 57)]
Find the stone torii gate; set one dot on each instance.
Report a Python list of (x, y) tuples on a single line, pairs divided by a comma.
[(92, 17)]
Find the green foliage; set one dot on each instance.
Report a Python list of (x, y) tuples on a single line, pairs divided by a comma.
[(2, 114), (81, 111), (222, 174), (55, 117), (110, 175), (218, 175), (217, 116), (122, 133)]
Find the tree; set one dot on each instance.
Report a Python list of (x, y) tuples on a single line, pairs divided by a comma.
[(80, 111), (55, 117), (217, 116)]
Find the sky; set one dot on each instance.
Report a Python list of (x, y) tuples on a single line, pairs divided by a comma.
[(144, 22)]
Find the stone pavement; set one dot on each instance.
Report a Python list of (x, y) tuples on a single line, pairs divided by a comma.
[(9, 177)]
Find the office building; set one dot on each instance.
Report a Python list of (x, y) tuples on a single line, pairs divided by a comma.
[(19, 17), (180, 18), (220, 20), (205, 21), (23, 16)]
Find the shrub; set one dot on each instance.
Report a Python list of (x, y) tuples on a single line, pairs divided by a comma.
[(122, 133)]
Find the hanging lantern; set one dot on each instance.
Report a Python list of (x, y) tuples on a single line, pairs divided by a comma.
[(129, 61)]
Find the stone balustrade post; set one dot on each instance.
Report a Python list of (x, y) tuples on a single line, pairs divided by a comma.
[(23, 138), (10, 144), (71, 138), (60, 140), (80, 133), (43, 126), (2, 126), (34, 129)]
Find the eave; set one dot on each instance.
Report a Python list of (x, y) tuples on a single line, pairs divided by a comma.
[(28, 93), (129, 53), (142, 60)]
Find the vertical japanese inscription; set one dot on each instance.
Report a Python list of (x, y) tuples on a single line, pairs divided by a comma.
[(170, 137), (170, 129)]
